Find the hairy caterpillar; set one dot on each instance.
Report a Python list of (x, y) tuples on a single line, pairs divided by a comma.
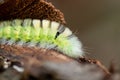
[(44, 34)]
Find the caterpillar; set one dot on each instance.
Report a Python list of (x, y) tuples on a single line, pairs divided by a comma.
[(40, 33)]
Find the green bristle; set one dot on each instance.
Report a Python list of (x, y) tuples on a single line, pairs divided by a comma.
[(44, 32)]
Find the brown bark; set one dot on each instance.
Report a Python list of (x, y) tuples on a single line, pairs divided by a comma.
[(37, 9)]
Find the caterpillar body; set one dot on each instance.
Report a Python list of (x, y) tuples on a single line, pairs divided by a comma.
[(44, 34)]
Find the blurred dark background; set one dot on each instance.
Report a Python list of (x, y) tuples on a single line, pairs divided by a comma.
[(97, 23)]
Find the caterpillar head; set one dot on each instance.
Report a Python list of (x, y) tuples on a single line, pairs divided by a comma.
[(43, 34)]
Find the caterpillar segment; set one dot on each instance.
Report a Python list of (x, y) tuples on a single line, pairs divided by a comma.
[(43, 34)]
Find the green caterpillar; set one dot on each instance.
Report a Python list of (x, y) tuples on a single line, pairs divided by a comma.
[(44, 34)]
